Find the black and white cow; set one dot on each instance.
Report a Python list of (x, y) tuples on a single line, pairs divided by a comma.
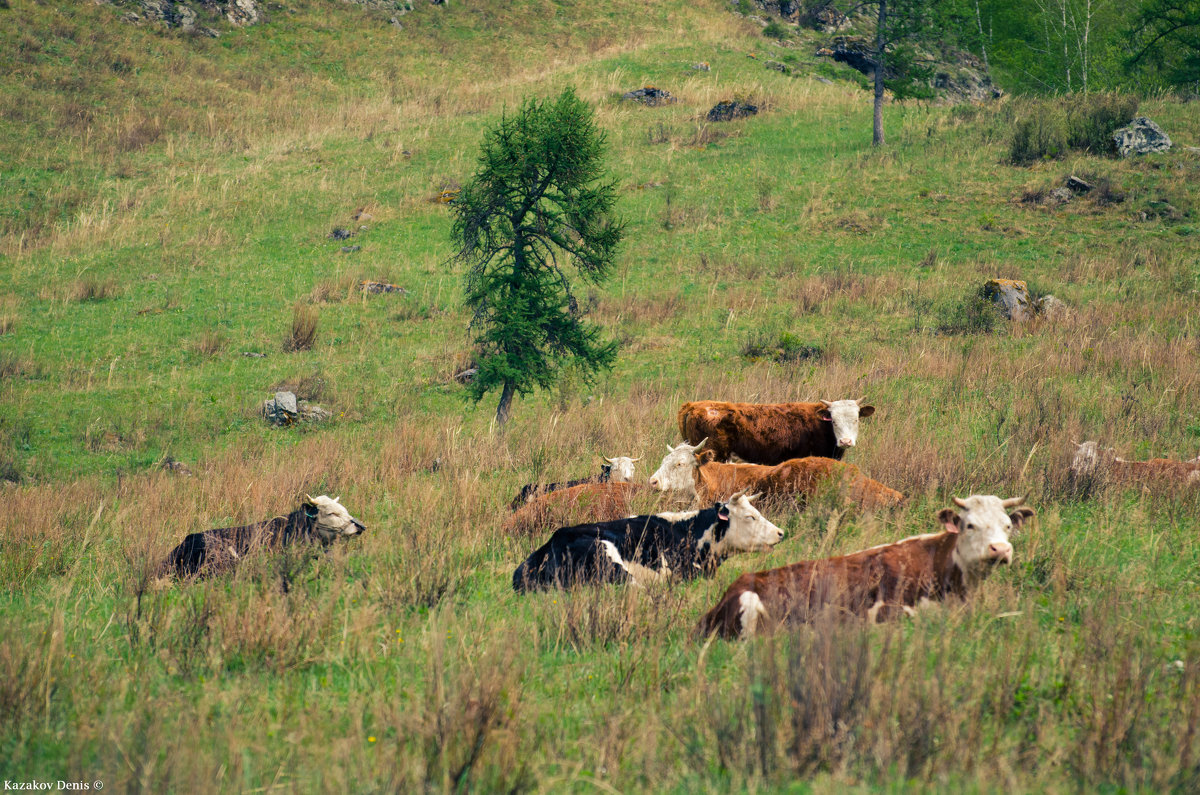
[(642, 548), (320, 519)]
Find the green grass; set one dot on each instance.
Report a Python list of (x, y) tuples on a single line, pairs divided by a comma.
[(198, 182)]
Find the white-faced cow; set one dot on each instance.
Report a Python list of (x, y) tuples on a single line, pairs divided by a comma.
[(691, 473), (770, 433), (642, 548), (1093, 461), (880, 582), (618, 470), (319, 519)]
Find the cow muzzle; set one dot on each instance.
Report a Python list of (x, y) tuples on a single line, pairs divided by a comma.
[(359, 527), (845, 442), (1000, 552)]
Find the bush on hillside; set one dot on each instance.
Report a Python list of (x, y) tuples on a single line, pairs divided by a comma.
[(1050, 128)]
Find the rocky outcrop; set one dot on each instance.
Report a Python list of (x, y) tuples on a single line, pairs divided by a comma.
[(729, 110), (649, 95), (286, 409), (1011, 297), (187, 16), (1140, 137)]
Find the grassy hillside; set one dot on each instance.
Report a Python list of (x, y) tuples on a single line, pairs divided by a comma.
[(165, 204)]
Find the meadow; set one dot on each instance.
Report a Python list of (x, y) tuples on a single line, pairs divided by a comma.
[(166, 203)]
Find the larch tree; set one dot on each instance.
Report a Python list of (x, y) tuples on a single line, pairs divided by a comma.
[(537, 212)]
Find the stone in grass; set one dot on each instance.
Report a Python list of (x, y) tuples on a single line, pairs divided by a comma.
[(351, 249), (728, 110), (1140, 137), (1051, 308), (382, 287), (286, 409), (649, 96), (1011, 297)]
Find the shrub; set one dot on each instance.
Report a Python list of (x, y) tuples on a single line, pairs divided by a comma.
[(1095, 117), (774, 30), (976, 315), (304, 329), (1042, 135), (783, 347), (209, 343)]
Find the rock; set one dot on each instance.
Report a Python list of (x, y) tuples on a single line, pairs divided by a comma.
[(340, 234), (284, 409), (1051, 308), (382, 287), (395, 22), (466, 376), (1059, 196), (825, 18), (649, 96), (779, 67), (702, 66), (177, 467), (243, 13), (286, 402), (1076, 185), (1011, 297), (824, 80), (855, 52), (351, 249), (727, 110), (254, 355), (1140, 137), (966, 83)]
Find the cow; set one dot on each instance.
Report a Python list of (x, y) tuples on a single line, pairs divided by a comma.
[(880, 582), (617, 470), (583, 503), (1093, 461), (319, 519), (689, 472), (640, 549), (771, 433)]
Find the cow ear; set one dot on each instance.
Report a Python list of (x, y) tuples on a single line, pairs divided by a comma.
[(1021, 516), (706, 457), (311, 510), (866, 411), (949, 519), (825, 415)]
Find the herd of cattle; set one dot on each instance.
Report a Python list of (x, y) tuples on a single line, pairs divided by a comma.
[(789, 452)]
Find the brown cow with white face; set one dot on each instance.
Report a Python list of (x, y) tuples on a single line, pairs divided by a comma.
[(880, 582), (770, 433), (1093, 461), (689, 472)]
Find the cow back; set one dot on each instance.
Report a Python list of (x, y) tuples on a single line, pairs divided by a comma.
[(759, 433)]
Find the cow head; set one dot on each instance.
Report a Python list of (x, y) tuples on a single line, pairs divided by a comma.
[(330, 519), (677, 472), (740, 528), (621, 469), (1090, 457), (983, 524), (844, 415)]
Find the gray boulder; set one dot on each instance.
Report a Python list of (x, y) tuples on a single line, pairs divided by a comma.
[(1051, 308), (1140, 137), (285, 409)]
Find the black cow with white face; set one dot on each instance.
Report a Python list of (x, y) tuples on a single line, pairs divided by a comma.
[(320, 519), (645, 548)]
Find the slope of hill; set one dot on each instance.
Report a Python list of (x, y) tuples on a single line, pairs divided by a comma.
[(167, 200)]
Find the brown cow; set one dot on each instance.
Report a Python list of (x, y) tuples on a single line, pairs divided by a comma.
[(587, 502), (1093, 461), (879, 582), (689, 473), (771, 433)]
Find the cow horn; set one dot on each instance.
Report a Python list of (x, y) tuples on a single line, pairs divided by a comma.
[(635, 460), (754, 496), (1013, 502), (861, 400), (733, 497), (609, 460), (961, 503), (670, 449), (702, 441), (337, 499), (309, 500), (824, 402)]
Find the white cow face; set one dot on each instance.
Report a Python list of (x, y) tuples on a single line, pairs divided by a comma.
[(844, 415), (677, 473), (621, 469), (332, 520), (983, 524), (1089, 457), (748, 530)]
